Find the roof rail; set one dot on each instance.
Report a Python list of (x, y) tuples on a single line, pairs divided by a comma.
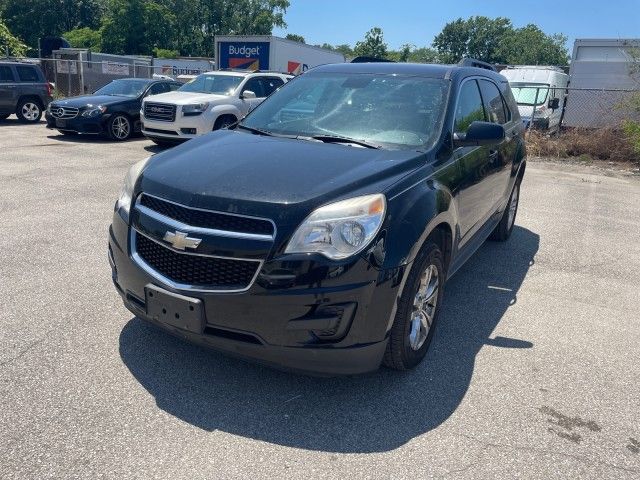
[(472, 62), (364, 59)]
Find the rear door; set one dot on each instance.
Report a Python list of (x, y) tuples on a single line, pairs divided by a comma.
[(7, 90), (476, 197), (500, 155)]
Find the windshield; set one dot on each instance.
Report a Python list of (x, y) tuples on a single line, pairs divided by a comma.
[(125, 88), (394, 111), (217, 84), (525, 94)]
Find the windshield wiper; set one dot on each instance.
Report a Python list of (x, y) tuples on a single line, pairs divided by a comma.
[(257, 131), (339, 139)]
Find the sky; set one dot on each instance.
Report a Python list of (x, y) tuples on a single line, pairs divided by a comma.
[(417, 22)]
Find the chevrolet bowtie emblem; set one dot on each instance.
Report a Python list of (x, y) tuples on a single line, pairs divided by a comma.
[(180, 240)]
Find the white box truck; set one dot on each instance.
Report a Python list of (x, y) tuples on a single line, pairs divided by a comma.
[(540, 92), (266, 52)]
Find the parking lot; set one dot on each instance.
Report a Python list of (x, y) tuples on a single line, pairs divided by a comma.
[(533, 372)]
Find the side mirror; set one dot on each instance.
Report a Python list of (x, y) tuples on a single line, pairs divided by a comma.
[(554, 103), (248, 95), (480, 133)]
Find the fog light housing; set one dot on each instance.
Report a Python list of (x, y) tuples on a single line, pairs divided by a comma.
[(188, 131)]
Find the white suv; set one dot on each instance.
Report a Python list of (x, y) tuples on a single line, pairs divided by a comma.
[(210, 101)]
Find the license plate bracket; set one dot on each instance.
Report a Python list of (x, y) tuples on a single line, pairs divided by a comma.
[(177, 310), (61, 123)]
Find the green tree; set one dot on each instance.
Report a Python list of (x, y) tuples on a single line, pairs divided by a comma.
[(409, 53), (531, 46), (33, 19), (85, 37), (294, 37), (497, 41), (123, 28), (10, 44), (373, 45)]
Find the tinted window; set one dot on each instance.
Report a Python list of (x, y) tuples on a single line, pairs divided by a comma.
[(271, 84), (27, 74), (493, 102), (6, 75), (174, 86), (158, 88), (469, 107), (123, 88), (255, 85)]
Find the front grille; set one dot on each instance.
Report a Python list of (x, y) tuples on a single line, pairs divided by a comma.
[(196, 270), (64, 113), (160, 111), (207, 218)]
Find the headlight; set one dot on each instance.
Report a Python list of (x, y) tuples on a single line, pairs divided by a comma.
[(340, 229), (94, 111), (195, 109), (126, 195)]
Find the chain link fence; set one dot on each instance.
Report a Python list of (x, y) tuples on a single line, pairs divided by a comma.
[(583, 122)]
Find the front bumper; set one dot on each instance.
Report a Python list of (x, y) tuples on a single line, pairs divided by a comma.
[(275, 320), (180, 130), (79, 124)]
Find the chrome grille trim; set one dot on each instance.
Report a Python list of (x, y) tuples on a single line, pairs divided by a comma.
[(133, 232), (64, 113), (161, 112)]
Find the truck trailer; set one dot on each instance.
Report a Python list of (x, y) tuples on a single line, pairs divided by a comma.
[(266, 52)]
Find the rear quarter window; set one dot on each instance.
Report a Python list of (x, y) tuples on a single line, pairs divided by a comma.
[(510, 101), (27, 74)]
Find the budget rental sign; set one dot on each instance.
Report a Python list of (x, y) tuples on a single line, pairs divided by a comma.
[(244, 55)]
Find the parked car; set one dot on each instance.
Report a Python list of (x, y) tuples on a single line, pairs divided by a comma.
[(113, 110), (23, 91), (540, 93), (209, 102), (322, 242)]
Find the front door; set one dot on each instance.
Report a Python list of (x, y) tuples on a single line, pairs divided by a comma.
[(255, 85), (475, 198)]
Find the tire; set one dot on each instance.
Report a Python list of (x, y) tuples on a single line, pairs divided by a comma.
[(418, 311), (119, 128), (29, 111), (503, 230), (224, 121)]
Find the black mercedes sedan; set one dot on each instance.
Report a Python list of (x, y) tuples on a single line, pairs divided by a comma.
[(113, 110), (318, 233)]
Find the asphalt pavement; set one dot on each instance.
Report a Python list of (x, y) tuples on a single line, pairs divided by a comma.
[(533, 371)]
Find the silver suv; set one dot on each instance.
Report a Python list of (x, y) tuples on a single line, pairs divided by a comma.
[(23, 91)]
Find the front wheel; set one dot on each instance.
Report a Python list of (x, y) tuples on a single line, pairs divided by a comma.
[(418, 311), (224, 122), (29, 111), (503, 230), (119, 128)]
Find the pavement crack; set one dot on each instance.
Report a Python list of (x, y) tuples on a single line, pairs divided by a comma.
[(23, 352)]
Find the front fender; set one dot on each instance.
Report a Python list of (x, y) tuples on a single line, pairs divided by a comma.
[(418, 211), (219, 110)]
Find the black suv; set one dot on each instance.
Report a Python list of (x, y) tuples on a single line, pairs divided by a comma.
[(318, 233), (23, 91)]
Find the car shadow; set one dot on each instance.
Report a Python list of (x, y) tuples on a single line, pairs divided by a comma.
[(90, 138), (370, 413)]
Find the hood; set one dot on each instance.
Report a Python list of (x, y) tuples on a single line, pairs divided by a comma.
[(186, 98), (84, 100), (281, 178)]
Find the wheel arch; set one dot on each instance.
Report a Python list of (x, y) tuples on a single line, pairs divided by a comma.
[(28, 96)]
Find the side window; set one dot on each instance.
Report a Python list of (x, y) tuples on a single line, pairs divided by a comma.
[(493, 102), (255, 85), (469, 107), (6, 74), (174, 86), (271, 84), (27, 74), (158, 88)]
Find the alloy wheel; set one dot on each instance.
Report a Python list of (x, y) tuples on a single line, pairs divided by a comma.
[(30, 111), (120, 128), (424, 307)]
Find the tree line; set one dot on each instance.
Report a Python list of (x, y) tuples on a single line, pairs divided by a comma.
[(169, 28)]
